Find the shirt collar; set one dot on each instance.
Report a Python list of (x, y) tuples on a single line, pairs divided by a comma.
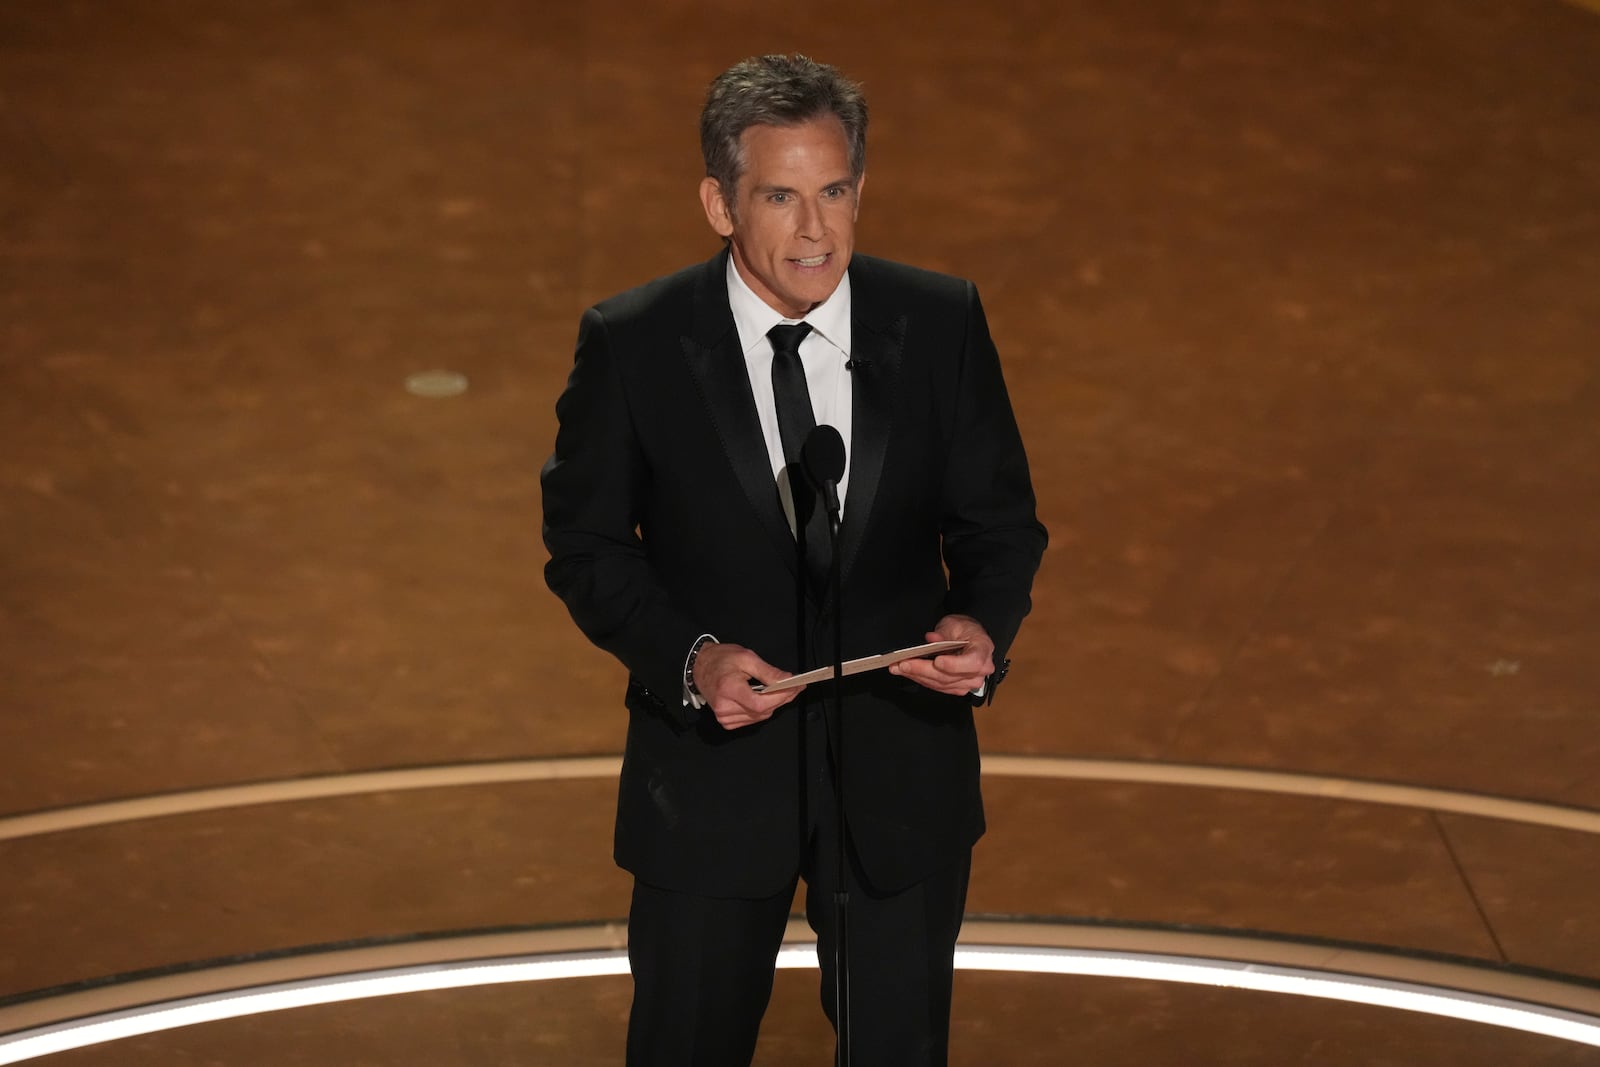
[(753, 317)]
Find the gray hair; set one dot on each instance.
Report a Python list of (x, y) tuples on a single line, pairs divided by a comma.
[(776, 91)]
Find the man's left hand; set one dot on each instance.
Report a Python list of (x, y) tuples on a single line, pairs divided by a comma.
[(955, 673)]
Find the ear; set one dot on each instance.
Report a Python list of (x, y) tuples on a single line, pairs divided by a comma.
[(717, 213), (861, 183)]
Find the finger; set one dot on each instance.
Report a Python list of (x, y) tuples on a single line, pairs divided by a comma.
[(740, 717), (964, 663), (784, 696), (745, 706), (926, 672)]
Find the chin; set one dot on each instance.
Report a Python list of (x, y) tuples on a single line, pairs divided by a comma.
[(804, 302), (818, 291)]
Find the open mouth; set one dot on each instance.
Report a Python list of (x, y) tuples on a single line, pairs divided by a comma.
[(812, 261)]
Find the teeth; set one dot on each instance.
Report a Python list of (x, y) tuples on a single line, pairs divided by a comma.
[(814, 261)]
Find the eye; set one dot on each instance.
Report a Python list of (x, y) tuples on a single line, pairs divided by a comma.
[(834, 192), (779, 198)]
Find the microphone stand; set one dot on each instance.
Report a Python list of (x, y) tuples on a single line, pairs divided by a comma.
[(823, 459), (841, 892)]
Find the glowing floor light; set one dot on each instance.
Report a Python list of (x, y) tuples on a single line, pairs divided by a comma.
[(1471, 1007), (1356, 989)]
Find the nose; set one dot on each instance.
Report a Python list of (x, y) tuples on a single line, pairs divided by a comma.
[(811, 227)]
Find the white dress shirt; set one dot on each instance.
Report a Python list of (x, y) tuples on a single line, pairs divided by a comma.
[(823, 353)]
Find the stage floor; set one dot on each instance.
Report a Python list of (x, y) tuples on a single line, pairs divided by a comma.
[(1298, 306)]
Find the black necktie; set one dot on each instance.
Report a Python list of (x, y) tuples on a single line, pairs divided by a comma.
[(795, 423)]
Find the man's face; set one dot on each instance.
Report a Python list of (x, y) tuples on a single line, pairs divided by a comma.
[(794, 217)]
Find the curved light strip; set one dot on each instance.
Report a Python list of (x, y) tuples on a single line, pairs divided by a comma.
[(285, 790), (1533, 813), (1406, 996), (1293, 783)]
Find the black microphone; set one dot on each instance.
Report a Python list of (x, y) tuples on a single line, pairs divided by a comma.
[(856, 364), (822, 456)]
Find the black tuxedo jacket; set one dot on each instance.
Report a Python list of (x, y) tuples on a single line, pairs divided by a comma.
[(663, 523)]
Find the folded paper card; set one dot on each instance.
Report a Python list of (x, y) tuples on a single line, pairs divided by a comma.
[(862, 665)]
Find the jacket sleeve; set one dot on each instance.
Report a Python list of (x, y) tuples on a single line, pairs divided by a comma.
[(594, 487), (992, 540)]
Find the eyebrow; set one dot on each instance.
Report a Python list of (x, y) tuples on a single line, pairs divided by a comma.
[(847, 182)]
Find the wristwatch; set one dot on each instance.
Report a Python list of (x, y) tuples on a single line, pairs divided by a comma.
[(688, 665)]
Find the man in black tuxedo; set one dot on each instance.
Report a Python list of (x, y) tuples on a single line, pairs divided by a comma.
[(681, 544)]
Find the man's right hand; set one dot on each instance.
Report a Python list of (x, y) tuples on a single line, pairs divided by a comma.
[(722, 673)]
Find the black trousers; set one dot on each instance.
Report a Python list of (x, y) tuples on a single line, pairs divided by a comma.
[(703, 966)]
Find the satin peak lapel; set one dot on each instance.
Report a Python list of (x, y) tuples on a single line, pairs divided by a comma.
[(877, 348), (717, 364)]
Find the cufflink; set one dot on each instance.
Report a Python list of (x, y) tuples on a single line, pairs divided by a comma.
[(991, 683)]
